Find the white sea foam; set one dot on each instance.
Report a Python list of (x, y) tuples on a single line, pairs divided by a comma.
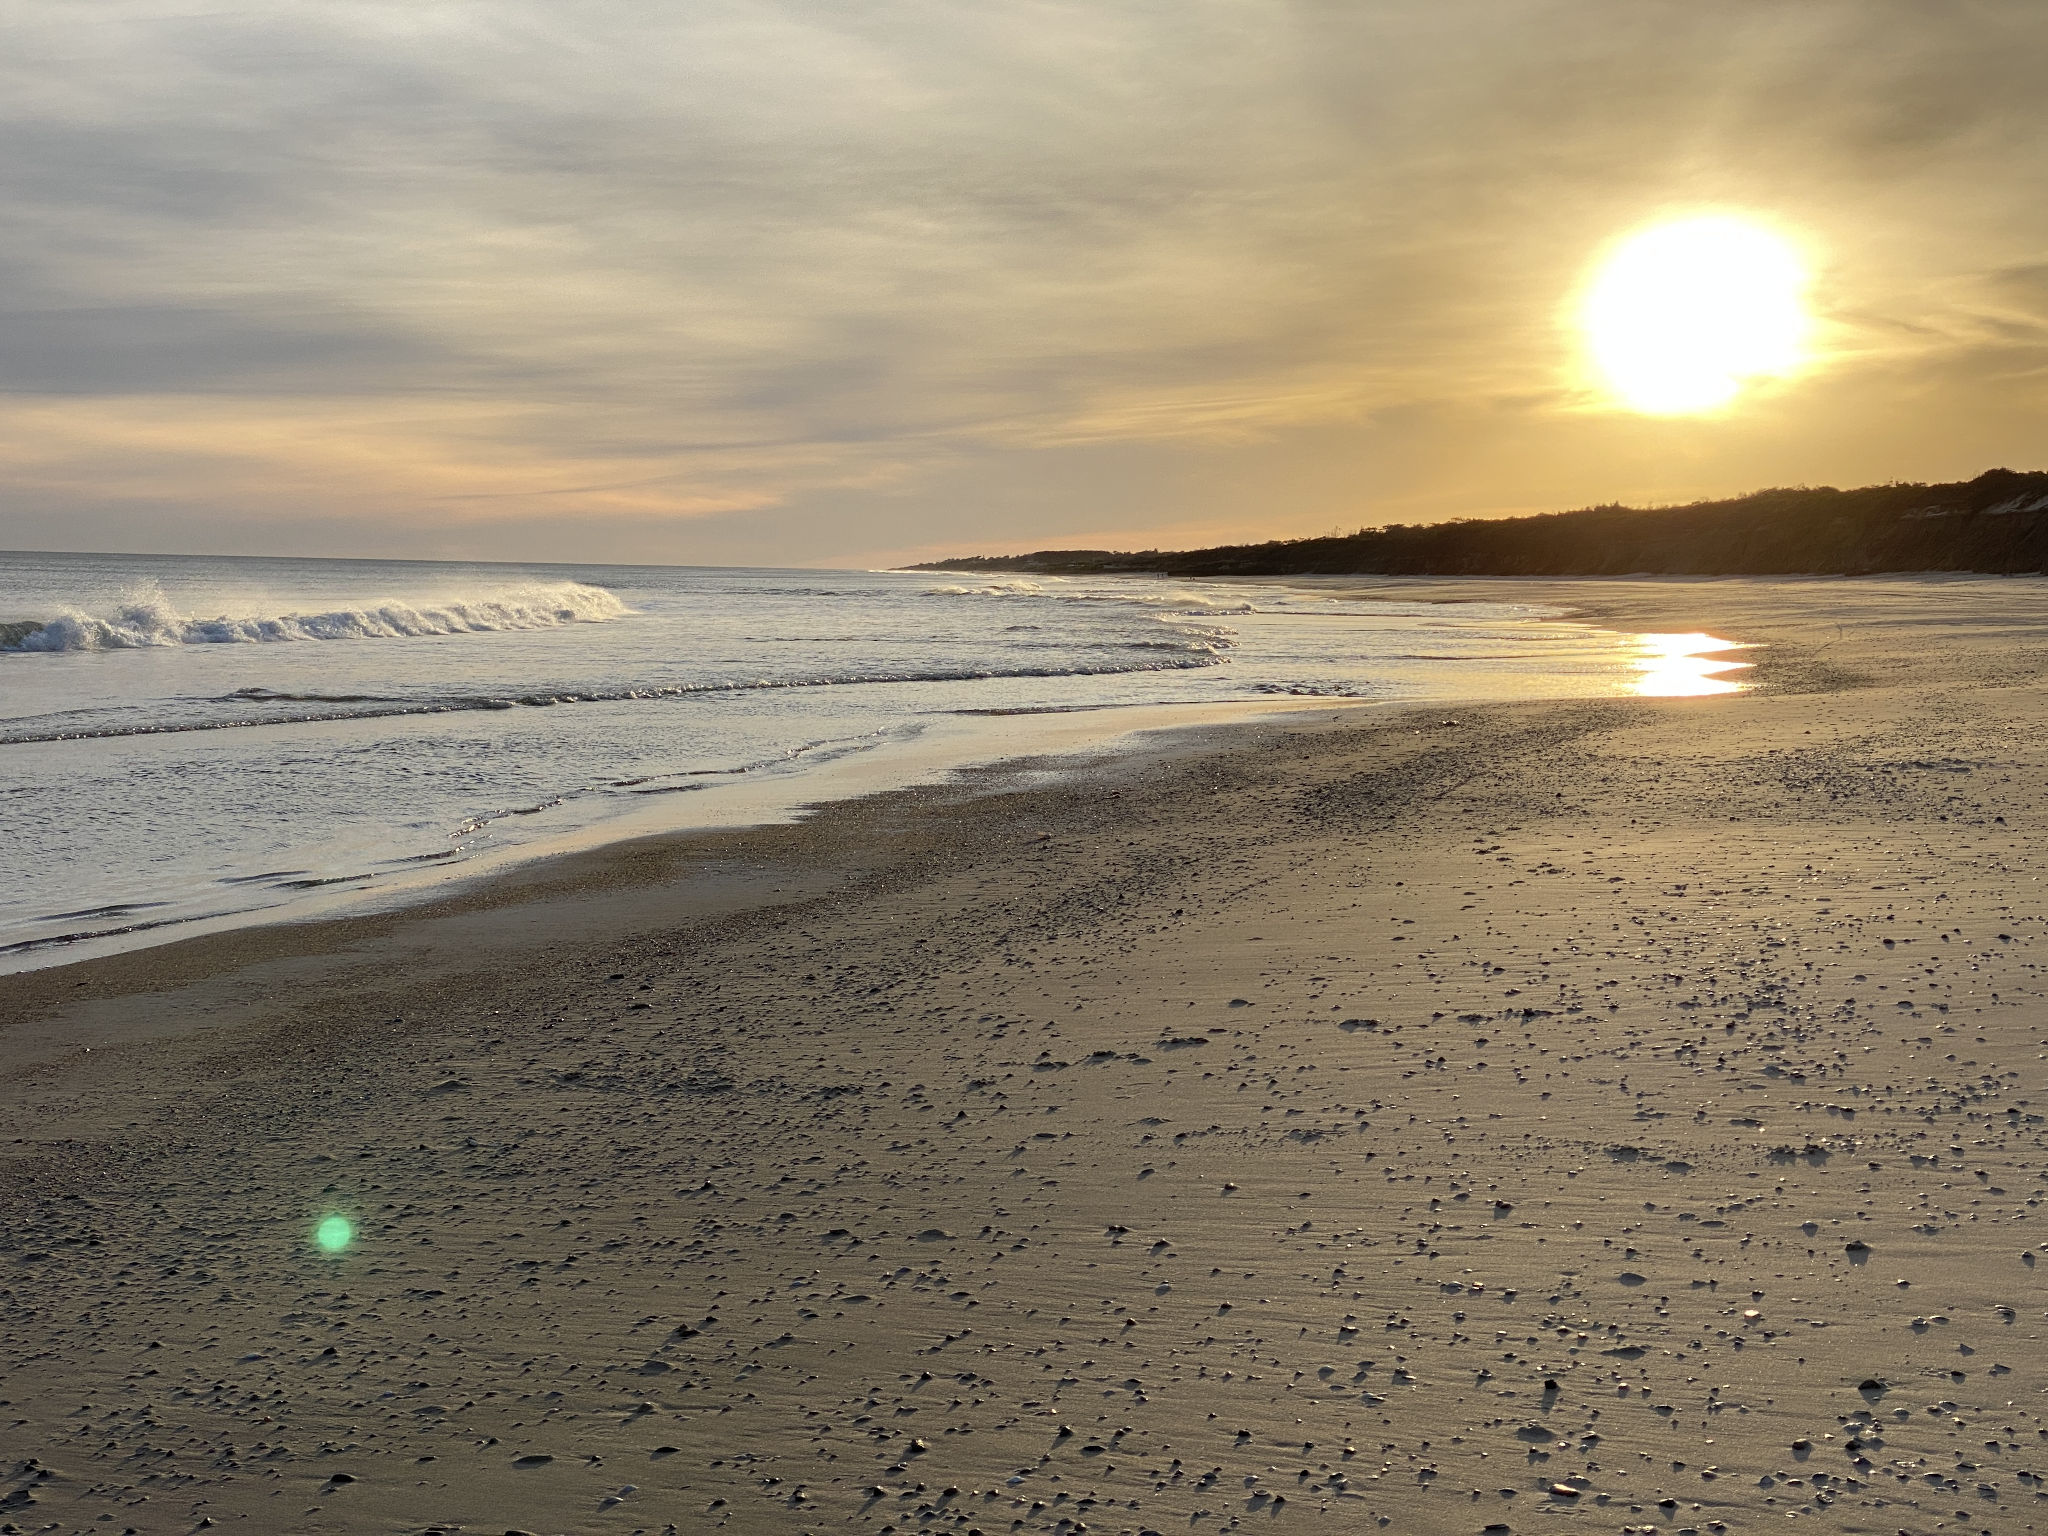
[(1193, 602), (147, 618), (313, 708), (1175, 600), (990, 589)]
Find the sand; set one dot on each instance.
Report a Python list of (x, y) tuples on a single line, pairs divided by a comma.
[(1622, 1115)]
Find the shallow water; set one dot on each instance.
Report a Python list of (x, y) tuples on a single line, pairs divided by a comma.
[(187, 739)]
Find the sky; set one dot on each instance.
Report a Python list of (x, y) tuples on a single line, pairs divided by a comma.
[(847, 282)]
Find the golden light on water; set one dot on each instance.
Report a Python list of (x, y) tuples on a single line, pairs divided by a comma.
[(1684, 666), (1682, 316)]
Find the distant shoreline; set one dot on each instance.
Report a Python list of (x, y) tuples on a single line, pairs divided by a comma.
[(1996, 524)]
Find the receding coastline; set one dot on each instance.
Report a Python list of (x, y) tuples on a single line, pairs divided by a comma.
[(1994, 524), (1438, 1118)]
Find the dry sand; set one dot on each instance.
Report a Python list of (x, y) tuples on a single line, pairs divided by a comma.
[(1618, 1116)]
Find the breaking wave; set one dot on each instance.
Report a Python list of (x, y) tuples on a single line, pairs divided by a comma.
[(990, 589), (317, 708), (1179, 600), (148, 618)]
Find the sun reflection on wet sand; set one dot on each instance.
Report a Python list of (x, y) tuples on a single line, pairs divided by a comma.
[(1684, 666)]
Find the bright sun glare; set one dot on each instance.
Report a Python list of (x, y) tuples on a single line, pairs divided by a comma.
[(1683, 315), (1684, 666)]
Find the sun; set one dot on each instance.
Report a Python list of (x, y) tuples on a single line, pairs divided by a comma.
[(1682, 316)]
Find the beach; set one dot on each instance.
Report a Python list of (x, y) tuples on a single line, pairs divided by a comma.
[(1626, 1112)]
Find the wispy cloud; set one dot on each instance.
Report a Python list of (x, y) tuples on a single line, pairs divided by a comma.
[(343, 274)]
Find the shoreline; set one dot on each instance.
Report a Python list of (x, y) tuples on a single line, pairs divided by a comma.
[(964, 742), (713, 870), (1276, 1111), (940, 747)]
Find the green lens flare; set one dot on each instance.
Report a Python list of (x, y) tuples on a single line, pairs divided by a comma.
[(333, 1234)]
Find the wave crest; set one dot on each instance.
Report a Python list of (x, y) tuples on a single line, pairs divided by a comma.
[(148, 618), (1178, 600), (322, 708), (990, 589)]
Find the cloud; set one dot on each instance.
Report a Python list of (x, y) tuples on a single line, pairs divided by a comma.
[(377, 266)]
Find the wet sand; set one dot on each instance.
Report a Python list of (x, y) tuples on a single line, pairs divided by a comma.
[(1627, 1113)]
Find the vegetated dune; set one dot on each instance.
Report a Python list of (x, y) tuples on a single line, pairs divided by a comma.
[(1996, 523)]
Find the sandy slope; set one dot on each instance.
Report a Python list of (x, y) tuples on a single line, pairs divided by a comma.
[(1542, 1116)]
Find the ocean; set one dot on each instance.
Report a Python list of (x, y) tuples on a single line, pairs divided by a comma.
[(191, 742)]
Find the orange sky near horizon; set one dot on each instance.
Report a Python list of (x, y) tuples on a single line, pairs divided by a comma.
[(782, 282)]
